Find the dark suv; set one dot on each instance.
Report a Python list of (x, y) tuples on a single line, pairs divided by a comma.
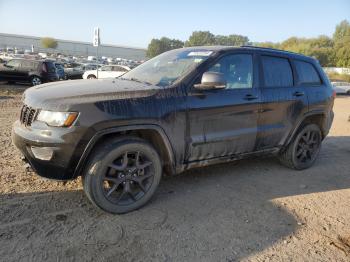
[(32, 71), (185, 108)]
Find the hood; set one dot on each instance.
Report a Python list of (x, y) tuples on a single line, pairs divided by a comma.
[(61, 95)]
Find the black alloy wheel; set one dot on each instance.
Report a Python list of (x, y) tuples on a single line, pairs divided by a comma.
[(128, 178), (122, 174)]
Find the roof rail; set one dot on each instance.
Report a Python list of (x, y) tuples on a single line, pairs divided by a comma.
[(269, 48)]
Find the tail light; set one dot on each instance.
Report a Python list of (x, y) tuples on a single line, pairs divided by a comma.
[(44, 68)]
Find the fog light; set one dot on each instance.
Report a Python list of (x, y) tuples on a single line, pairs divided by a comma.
[(42, 153)]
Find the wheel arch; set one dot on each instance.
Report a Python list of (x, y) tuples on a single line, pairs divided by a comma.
[(151, 133), (91, 75), (318, 117)]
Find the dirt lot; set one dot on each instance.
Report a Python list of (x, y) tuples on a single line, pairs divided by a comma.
[(254, 210)]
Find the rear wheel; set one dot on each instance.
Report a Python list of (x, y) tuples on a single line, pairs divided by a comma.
[(122, 175), (303, 151), (35, 80), (91, 77)]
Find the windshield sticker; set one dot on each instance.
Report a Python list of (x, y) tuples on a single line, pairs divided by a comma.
[(200, 53)]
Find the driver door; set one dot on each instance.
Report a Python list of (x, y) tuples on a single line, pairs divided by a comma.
[(223, 122)]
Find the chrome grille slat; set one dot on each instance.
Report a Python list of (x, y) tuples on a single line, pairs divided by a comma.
[(27, 115)]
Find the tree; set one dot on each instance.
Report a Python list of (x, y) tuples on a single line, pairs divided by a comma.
[(341, 39), (231, 40), (200, 38), (268, 45), (158, 46), (320, 48), (48, 42)]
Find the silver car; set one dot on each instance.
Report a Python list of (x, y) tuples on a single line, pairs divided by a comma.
[(341, 87)]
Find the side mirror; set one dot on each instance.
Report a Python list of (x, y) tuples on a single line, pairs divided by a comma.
[(211, 80)]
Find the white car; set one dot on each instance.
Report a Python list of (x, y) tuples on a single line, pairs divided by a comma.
[(341, 87), (107, 71)]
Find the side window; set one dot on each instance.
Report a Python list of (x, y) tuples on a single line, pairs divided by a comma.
[(119, 69), (237, 69), (27, 64), (106, 68), (13, 63), (277, 71), (307, 73), (50, 67)]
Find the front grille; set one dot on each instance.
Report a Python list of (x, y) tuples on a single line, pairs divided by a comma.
[(27, 115)]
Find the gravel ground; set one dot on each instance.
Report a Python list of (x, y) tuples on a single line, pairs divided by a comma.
[(251, 210)]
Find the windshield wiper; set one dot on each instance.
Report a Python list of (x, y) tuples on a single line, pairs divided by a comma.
[(136, 80)]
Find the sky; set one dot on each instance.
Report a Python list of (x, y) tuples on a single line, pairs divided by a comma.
[(135, 23)]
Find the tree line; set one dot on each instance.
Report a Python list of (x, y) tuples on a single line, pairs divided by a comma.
[(330, 51)]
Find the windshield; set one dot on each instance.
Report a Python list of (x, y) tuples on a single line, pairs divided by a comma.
[(165, 69)]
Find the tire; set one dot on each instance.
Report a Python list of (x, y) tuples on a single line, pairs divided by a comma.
[(118, 186), (302, 152), (35, 80), (91, 77)]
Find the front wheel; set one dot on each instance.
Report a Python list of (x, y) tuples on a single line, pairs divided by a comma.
[(91, 77), (122, 175), (303, 151)]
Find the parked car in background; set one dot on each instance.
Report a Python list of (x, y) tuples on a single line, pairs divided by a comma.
[(185, 108), (341, 87), (108, 71), (33, 71), (89, 66), (73, 70), (60, 71)]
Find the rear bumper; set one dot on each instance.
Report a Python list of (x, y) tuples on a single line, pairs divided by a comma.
[(328, 123), (61, 166), (51, 78)]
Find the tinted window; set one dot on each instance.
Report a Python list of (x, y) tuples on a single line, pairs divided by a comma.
[(237, 69), (277, 72), (50, 67), (307, 73)]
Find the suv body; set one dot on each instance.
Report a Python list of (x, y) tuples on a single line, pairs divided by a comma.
[(33, 71), (231, 103)]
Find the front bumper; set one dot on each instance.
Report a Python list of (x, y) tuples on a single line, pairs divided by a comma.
[(63, 142)]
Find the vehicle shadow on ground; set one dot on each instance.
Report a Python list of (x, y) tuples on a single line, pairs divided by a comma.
[(219, 213)]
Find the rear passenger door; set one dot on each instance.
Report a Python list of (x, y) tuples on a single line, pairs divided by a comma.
[(283, 102), (309, 79), (24, 69)]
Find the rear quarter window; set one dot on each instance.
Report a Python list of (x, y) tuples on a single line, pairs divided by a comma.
[(277, 71), (50, 67), (307, 73)]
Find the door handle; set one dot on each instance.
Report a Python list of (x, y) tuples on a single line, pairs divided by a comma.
[(298, 93), (250, 97)]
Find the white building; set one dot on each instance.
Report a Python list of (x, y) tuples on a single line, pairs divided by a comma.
[(68, 47)]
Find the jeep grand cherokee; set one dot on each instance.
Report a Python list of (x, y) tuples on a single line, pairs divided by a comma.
[(185, 108)]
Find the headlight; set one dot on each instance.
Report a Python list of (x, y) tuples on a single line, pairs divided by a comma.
[(63, 119)]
